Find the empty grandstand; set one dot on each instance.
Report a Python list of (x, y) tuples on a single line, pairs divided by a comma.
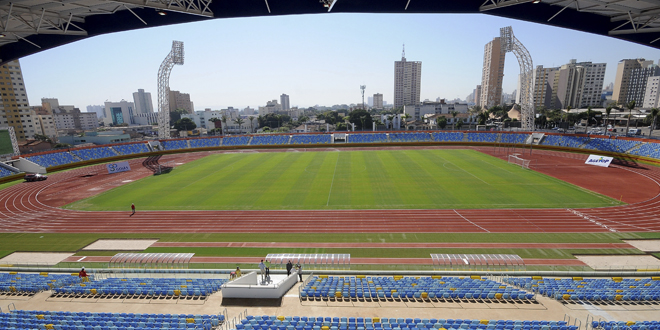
[(235, 141), (570, 141), (53, 159), (205, 143), (447, 136), (514, 138), (34, 282), (311, 139), (94, 153), (611, 145), (129, 149), (142, 287), (409, 137), (174, 144), (270, 139), (601, 289), (368, 138), (482, 137)]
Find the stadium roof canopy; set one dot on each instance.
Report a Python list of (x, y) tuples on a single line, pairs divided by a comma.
[(29, 26)]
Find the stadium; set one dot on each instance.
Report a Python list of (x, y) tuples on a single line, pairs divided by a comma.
[(424, 229)]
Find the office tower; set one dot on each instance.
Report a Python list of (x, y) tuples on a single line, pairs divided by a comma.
[(492, 74), (14, 106), (284, 100), (477, 95), (651, 97), (622, 81), (543, 80), (637, 83), (180, 100), (142, 102), (118, 113), (407, 81), (578, 85), (378, 101), (98, 109)]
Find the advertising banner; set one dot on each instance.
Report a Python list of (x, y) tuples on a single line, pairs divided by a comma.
[(118, 167), (599, 160)]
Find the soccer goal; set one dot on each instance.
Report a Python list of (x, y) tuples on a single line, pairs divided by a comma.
[(515, 159)]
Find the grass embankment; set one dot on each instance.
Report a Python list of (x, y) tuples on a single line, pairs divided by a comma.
[(385, 179)]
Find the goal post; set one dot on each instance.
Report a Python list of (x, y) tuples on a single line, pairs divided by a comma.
[(517, 160)]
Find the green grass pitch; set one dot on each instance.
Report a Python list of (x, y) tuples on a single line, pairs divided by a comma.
[(387, 179)]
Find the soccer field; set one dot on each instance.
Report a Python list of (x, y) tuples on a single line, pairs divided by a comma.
[(384, 179)]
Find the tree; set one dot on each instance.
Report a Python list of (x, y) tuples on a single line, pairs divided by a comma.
[(654, 114), (482, 117), (390, 119), (251, 119), (453, 121), (405, 117), (361, 118), (224, 119), (341, 127), (586, 127), (568, 109), (185, 124), (239, 121), (459, 124), (176, 115), (44, 138), (630, 105), (442, 122), (279, 120)]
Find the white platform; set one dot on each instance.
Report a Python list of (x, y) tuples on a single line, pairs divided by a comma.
[(252, 286)]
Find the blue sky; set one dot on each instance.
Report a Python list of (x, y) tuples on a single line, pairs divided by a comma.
[(316, 59)]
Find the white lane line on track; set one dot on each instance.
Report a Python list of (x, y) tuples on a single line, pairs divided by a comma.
[(474, 224)]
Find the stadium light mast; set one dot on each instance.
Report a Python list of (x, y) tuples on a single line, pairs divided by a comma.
[(511, 44), (175, 57), (363, 87)]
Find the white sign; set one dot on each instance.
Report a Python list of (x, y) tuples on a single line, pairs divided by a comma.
[(118, 167), (599, 160)]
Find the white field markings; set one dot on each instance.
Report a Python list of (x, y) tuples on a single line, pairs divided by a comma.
[(210, 172), (478, 178), (468, 220), (333, 180)]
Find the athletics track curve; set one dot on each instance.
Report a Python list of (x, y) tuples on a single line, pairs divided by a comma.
[(32, 207)]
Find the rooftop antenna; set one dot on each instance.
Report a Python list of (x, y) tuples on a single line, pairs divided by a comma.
[(363, 87), (403, 53)]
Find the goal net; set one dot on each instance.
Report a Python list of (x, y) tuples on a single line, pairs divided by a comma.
[(515, 159)]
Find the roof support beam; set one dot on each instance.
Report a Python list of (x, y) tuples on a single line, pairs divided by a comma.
[(501, 4), (631, 31)]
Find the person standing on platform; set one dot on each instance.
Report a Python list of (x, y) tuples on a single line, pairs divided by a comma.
[(267, 263), (262, 268), (299, 271), (289, 266), (132, 209)]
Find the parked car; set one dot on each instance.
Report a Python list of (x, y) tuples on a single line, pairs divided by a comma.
[(32, 177)]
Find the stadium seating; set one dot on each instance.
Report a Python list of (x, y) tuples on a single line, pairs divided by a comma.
[(94, 153), (564, 141), (311, 139), (409, 137), (626, 325), (269, 140), (33, 282), (447, 136), (54, 159), (5, 172), (602, 289), (22, 319), (368, 138), (129, 149), (236, 141), (612, 145), (379, 323), (410, 288), (174, 144), (205, 143), (514, 138), (482, 137), (647, 150), (147, 287)]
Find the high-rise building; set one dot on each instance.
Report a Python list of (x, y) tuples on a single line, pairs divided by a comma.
[(622, 80), (407, 82), (118, 113), (378, 101), (651, 96), (492, 74), (476, 95), (284, 100), (143, 102), (543, 80), (14, 106), (578, 85), (637, 83), (98, 109), (180, 100)]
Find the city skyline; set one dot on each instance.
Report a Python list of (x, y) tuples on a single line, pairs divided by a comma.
[(323, 63)]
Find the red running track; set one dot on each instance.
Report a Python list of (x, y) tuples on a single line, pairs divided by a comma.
[(34, 207)]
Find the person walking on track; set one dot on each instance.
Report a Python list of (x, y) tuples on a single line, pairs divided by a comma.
[(132, 209)]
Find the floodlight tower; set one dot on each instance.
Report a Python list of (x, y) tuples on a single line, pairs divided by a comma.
[(363, 87), (511, 44), (173, 58)]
